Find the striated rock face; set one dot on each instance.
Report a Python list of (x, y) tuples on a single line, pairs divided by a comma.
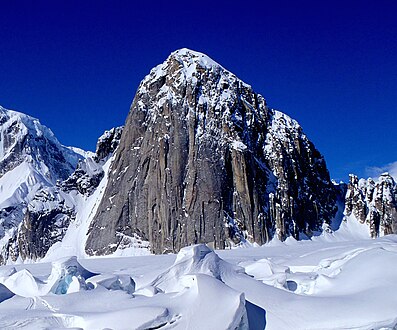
[(373, 203), (203, 159)]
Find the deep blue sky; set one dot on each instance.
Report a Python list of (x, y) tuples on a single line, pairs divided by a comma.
[(331, 65)]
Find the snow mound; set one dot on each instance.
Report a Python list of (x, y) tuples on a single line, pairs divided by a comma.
[(114, 282), (24, 284), (196, 277), (196, 259), (268, 272)]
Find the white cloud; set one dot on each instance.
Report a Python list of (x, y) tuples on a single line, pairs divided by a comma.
[(375, 171)]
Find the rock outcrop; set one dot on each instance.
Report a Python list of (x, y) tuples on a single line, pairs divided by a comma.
[(46, 221), (373, 203), (203, 159), (107, 143)]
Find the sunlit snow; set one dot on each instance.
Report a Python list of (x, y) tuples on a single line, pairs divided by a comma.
[(335, 281)]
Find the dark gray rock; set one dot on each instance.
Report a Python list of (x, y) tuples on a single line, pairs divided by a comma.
[(85, 179), (89, 172), (108, 143), (203, 159), (39, 231), (373, 203)]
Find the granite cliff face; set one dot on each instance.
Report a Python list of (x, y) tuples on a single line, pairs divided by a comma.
[(203, 159), (373, 203)]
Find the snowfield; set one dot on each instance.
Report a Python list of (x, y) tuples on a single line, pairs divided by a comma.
[(334, 281)]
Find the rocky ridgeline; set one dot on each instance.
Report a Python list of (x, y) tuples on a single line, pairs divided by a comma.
[(203, 159), (373, 203)]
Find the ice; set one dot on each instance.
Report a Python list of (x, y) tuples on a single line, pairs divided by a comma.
[(69, 276), (114, 282), (197, 259), (335, 281)]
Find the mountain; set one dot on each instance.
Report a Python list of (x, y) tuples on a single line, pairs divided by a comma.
[(31, 158), (44, 186), (65, 208), (202, 158)]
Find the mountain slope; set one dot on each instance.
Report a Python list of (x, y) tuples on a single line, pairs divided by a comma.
[(31, 158), (203, 159), (24, 139), (55, 211)]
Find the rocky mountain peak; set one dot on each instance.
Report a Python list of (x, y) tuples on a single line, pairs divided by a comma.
[(31, 160), (184, 64), (203, 159)]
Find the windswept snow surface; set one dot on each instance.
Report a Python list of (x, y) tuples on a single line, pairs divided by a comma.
[(335, 281)]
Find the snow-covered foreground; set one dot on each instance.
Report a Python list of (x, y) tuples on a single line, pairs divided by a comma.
[(327, 283)]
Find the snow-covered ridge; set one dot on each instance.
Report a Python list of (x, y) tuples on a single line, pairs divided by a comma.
[(24, 138), (45, 187), (42, 214), (31, 159)]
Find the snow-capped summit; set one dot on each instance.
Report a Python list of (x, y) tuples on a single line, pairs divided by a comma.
[(191, 63), (25, 139)]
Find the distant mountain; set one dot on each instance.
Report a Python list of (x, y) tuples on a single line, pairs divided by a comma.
[(203, 159), (373, 203), (31, 158), (55, 211), (43, 184)]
